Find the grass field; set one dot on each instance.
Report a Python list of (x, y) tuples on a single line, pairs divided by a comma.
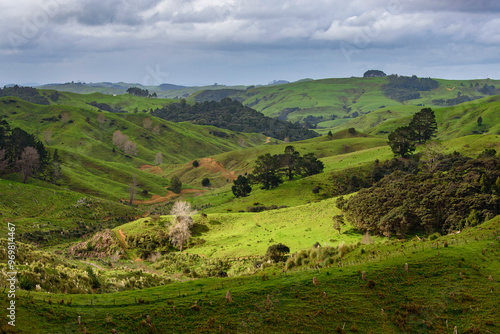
[(444, 287)]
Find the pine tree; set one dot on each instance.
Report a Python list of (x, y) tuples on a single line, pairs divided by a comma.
[(402, 141), (424, 124)]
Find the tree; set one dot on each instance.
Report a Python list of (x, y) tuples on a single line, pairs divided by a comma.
[(133, 185), (180, 231), (374, 74), (479, 121), (401, 141), (130, 148), (267, 171), (56, 166), (432, 156), (101, 118), (310, 165), (28, 163), (240, 187), (147, 123), (338, 221), (196, 164), (3, 161), (205, 182), (277, 252), (158, 158), (176, 185), (424, 124), (119, 139), (291, 161), (47, 135)]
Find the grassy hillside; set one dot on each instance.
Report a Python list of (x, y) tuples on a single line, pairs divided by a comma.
[(344, 97), (450, 282), (91, 163)]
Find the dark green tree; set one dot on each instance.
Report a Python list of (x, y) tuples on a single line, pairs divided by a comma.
[(240, 187), (424, 124), (267, 171), (479, 121), (176, 185), (310, 165), (402, 141), (277, 252), (205, 182), (291, 161)]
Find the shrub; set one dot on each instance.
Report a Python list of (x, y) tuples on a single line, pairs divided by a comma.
[(434, 236), (196, 163), (370, 284), (205, 182)]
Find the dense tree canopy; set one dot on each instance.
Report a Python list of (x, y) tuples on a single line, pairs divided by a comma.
[(232, 115), (270, 169), (460, 193), (21, 151), (26, 93), (241, 187), (401, 88)]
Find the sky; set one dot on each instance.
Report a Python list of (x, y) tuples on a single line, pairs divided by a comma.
[(232, 42)]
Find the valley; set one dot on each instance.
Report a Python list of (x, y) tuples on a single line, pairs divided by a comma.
[(95, 223)]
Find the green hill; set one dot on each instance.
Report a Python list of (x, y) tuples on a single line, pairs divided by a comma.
[(333, 103)]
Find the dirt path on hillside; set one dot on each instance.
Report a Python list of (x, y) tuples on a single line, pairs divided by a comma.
[(155, 199), (151, 169), (216, 167), (268, 139), (94, 265)]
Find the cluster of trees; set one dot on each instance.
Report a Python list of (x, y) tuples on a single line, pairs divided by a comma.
[(422, 128), (354, 179), (26, 93), (136, 91), (401, 88), (374, 74), (107, 107), (122, 142), (22, 152), (457, 100), (457, 192), (271, 170), (232, 115)]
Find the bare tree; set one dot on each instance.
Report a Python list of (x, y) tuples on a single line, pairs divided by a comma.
[(28, 162), (180, 231), (3, 162), (156, 130), (65, 117), (101, 118), (130, 148), (119, 139), (132, 189), (432, 155), (147, 123), (338, 221), (158, 158), (47, 136)]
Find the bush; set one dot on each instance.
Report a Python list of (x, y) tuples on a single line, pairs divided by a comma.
[(434, 236), (196, 163), (205, 182)]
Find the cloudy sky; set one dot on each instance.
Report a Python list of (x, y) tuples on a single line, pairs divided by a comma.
[(197, 42)]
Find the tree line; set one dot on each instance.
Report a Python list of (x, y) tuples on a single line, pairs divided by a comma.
[(140, 92), (21, 152), (422, 128), (447, 195), (401, 88), (232, 115), (271, 170), (25, 93)]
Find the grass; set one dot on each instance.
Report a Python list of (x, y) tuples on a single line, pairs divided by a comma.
[(431, 297)]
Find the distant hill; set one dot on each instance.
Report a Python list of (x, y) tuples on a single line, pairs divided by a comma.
[(232, 115), (333, 104)]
